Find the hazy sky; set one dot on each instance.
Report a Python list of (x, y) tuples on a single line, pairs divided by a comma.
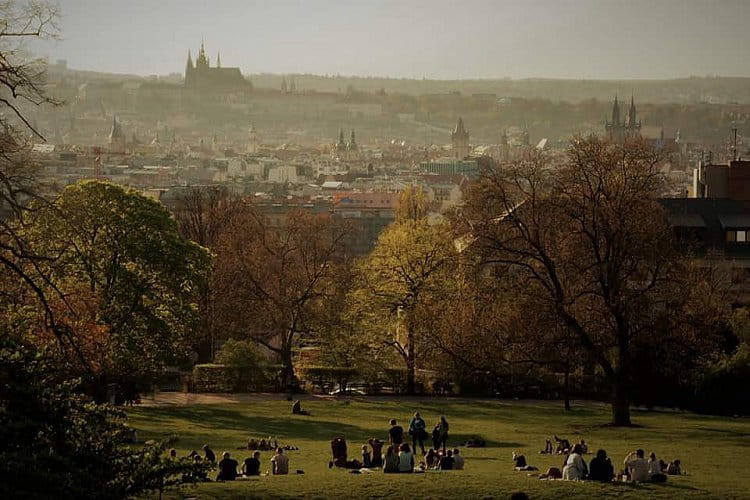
[(412, 38)]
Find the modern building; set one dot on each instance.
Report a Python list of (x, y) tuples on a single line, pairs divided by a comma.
[(447, 166), (731, 180)]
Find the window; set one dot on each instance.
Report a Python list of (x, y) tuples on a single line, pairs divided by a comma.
[(741, 236), (731, 236)]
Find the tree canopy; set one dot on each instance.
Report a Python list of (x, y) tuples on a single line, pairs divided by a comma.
[(123, 278)]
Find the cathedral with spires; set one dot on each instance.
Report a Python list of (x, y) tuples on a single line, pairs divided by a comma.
[(619, 130), (201, 76)]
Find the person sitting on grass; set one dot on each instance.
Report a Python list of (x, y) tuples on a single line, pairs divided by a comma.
[(395, 434), (405, 459), (297, 409), (600, 467), (584, 447), (446, 461), (366, 461), (548, 450), (637, 466), (431, 459), (654, 469), (280, 463), (575, 467), (251, 466), (377, 452), (391, 460), (674, 469), (520, 463), (208, 454), (338, 449), (563, 446), (227, 468), (458, 460)]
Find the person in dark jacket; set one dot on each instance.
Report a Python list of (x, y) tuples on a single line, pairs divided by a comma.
[(418, 432), (600, 467), (227, 468)]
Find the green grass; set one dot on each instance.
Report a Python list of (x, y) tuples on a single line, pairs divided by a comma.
[(714, 451)]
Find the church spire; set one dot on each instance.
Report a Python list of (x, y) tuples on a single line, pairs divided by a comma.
[(201, 60), (189, 64), (218, 59), (631, 112), (616, 112)]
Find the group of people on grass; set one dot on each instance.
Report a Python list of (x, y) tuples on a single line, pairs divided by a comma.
[(227, 466), (636, 467), (399, 457)]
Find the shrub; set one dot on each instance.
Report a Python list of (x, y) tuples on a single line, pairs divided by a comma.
[(223, 378), (326, 377), (724, 390)]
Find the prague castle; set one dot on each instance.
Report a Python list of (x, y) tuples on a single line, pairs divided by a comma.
[(201, 76)]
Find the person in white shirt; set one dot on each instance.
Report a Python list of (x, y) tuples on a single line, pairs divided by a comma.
[(575, 466), (405, 459), (638, 467)]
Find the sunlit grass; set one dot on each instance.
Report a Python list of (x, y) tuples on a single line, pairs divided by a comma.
[(713, 450)]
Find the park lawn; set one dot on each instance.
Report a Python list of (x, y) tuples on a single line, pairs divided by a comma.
[(714, 451)]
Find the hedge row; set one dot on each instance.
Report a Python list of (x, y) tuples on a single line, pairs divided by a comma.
[(222, 378)]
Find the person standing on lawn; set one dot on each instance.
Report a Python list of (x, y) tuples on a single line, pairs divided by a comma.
[(442, 433), (395, 434), (417, 430)]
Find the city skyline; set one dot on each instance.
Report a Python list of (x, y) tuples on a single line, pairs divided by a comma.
[(583, 39)]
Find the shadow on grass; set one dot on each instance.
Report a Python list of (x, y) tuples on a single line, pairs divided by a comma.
[(196, 418)]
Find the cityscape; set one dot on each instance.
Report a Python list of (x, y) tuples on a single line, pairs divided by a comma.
[(333, 227)]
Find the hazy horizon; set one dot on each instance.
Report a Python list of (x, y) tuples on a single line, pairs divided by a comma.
[(444, 40)]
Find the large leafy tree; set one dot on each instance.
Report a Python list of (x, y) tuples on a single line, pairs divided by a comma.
[(273, 284), (586, 241), (128, 281), (394, 285)]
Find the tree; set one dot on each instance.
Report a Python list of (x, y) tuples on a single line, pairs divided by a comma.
[(202, 214), (118, 255), (21, 87), (403, 273), (270, 284), (412, 204), (587, 240), (59, 445)]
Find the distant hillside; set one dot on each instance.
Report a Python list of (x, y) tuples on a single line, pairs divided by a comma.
[(710, 90), (718, 90)]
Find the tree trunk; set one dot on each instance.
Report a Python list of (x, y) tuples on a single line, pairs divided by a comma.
[(620, 404), (566, 389), (287, 371), (410, 364)]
